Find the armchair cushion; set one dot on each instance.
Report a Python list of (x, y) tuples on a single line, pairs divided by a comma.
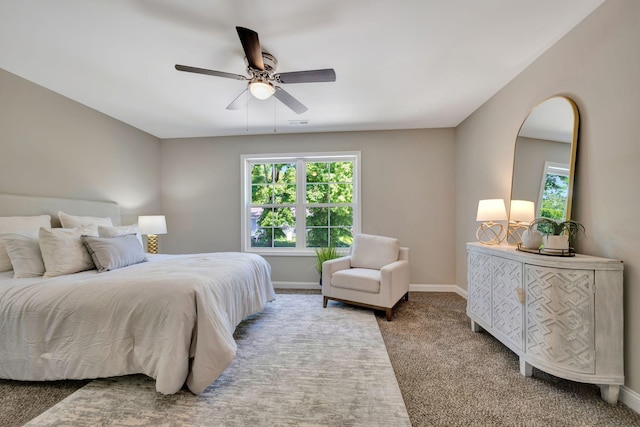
[(373, 252), (358, 279)]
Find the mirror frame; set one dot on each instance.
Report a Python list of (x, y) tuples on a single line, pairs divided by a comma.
[(572, 159)]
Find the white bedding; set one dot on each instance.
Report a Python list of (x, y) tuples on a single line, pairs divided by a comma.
[(171, 318)]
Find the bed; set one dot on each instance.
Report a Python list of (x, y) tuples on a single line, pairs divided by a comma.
[(171, 317)]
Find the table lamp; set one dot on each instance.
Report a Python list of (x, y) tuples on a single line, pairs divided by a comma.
[(490, 210), (152, 225), (521, 213)]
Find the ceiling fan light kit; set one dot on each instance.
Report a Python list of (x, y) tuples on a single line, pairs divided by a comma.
[(261, 89), (261, 67)]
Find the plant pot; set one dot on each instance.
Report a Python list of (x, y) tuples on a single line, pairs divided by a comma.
[(531, 239), (560, 242)]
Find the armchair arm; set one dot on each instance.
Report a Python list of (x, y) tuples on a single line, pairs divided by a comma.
[(330, 267), (394, 279), (396, 272)]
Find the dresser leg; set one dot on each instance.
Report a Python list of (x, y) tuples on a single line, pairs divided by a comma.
[(609, 393), (475, 327), (525, 368)]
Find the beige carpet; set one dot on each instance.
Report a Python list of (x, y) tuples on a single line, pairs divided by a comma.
[(451, 376)]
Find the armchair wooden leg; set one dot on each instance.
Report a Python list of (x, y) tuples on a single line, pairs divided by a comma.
[(324, 302), (389, 312)]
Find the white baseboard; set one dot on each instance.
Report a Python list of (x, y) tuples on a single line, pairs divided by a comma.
[(412, 288), (630, 398), (297, 285), (439, 288)]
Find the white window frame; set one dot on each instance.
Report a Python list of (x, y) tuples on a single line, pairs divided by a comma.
[(551, 168), (247, 160)]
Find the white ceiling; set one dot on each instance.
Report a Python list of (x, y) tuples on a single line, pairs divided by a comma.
[(399, 64)]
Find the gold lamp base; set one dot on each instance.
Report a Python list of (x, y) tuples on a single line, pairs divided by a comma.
[(152, 243), (514, 232), (490, 233)]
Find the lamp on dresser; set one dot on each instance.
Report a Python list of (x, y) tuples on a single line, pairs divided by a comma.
[(521, 213), (489, 211), (152, 225)]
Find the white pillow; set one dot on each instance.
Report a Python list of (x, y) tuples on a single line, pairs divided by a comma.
[(122, 230), (63, 251), (13, 224), (373, 252), (72, 221), (24, 252), (109, 253)]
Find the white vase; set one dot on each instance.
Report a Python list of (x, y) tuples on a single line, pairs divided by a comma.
[(560, 242), (531, 239)]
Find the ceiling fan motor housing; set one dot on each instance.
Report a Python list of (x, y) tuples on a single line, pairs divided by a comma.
[(270, 62)]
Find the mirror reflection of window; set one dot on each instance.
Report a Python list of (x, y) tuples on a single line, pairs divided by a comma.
[(554, 190)]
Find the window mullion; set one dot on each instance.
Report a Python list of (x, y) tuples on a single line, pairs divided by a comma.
[(301, 220)]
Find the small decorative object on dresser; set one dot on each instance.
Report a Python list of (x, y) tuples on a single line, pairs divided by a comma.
[(562, 315), (557, 235), (531, 239)]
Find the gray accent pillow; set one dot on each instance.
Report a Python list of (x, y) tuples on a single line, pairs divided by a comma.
[(109, 253)]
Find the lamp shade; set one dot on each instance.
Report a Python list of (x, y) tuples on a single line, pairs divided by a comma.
[(261, 90), (152, 224), (522, 211), (491, 210)]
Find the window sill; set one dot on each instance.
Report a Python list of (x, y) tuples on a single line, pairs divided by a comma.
[(281, 252)]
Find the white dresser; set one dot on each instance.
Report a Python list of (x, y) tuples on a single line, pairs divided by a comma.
[(562, 315)]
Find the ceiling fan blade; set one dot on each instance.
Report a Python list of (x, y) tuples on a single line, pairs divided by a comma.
[(209, 72), (251, 46), (288, 100), (311, 76), (240, 101)]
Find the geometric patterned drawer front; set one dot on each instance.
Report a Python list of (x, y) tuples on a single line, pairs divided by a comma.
[(560, 317), (479, 286), (507, 309)]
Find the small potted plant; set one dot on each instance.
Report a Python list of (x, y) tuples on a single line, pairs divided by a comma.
[(557, 234), (325, 254)]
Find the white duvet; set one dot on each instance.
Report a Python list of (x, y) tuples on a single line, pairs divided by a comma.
[(171, 318)]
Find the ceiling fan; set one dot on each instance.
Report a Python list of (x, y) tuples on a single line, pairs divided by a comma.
[(261, 67)]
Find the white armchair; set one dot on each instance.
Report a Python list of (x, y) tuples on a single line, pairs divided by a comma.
[(374, 275)]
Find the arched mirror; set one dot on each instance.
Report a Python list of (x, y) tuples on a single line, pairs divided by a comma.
[(543, 165)]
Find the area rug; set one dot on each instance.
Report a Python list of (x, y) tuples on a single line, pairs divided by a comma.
[(296, 364)]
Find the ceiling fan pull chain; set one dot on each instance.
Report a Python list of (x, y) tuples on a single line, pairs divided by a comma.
[(274, 115), (247, 111)]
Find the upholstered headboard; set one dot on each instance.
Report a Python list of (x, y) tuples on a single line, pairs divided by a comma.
[(14, 205)]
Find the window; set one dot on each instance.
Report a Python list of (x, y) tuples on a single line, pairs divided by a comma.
[(554, 191), (294, 203)]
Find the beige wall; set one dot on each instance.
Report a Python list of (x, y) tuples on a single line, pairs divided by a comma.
[(597, 65), (407, 191), (52, 146)]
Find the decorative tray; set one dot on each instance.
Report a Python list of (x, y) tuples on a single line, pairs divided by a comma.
[(548, 252)]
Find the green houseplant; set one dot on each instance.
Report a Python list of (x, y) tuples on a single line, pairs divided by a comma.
[(325, 254), (550, 227)]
